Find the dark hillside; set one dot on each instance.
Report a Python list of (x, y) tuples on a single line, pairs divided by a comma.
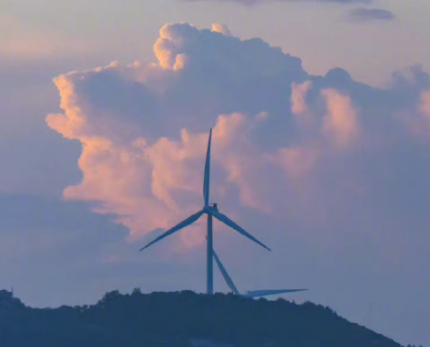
[(180, 319)]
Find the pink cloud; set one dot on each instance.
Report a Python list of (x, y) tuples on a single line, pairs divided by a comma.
[(297, 161), (143, 130), (341, 121), (298, 97), (425, 103)]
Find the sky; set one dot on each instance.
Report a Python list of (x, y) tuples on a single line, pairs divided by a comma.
[(321, 117)]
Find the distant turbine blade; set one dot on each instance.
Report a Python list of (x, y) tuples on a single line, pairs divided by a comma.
[(223, 218), (224, 273), (176, 228), (259, 293), (207, 171)]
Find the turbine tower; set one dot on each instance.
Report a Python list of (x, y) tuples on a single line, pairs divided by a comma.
[(211, 211), (249, 294)]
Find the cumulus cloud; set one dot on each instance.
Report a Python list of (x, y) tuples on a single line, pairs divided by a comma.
[(425, 103), (143, 130), (298, 95), (364, 14), (221, 28), (296, 161), (419, 121), (340, 123)]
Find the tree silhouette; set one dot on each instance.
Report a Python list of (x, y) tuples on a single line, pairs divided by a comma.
[(180, 319)]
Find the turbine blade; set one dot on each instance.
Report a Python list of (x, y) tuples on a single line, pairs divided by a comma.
[(224, 273), (260, 293), (176, 228), (223, 218), (207, 171)]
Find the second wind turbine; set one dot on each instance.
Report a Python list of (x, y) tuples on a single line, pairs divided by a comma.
[(211, 211)]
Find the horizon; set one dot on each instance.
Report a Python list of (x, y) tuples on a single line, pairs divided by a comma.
[(321, 138)]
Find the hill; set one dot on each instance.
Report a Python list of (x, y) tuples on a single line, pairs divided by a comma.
[(180, 319)]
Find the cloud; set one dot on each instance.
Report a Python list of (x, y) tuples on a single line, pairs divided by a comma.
[(298, 95), (254, 2), (419, 122), (221, 28), (143, 131), (340, 123), (363, 14), (425, 103), (297, 161)]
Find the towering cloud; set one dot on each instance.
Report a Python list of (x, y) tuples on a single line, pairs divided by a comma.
[(282, 138)]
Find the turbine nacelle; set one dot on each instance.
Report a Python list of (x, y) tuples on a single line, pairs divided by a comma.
[(211, 209)]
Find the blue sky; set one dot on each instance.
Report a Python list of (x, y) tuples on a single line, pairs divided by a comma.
[(343, 197)]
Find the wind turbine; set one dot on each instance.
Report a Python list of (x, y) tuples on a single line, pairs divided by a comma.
[(249, 294), (211, 210)]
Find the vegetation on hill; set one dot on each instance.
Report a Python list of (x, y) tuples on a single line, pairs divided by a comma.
[(180, 319)]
